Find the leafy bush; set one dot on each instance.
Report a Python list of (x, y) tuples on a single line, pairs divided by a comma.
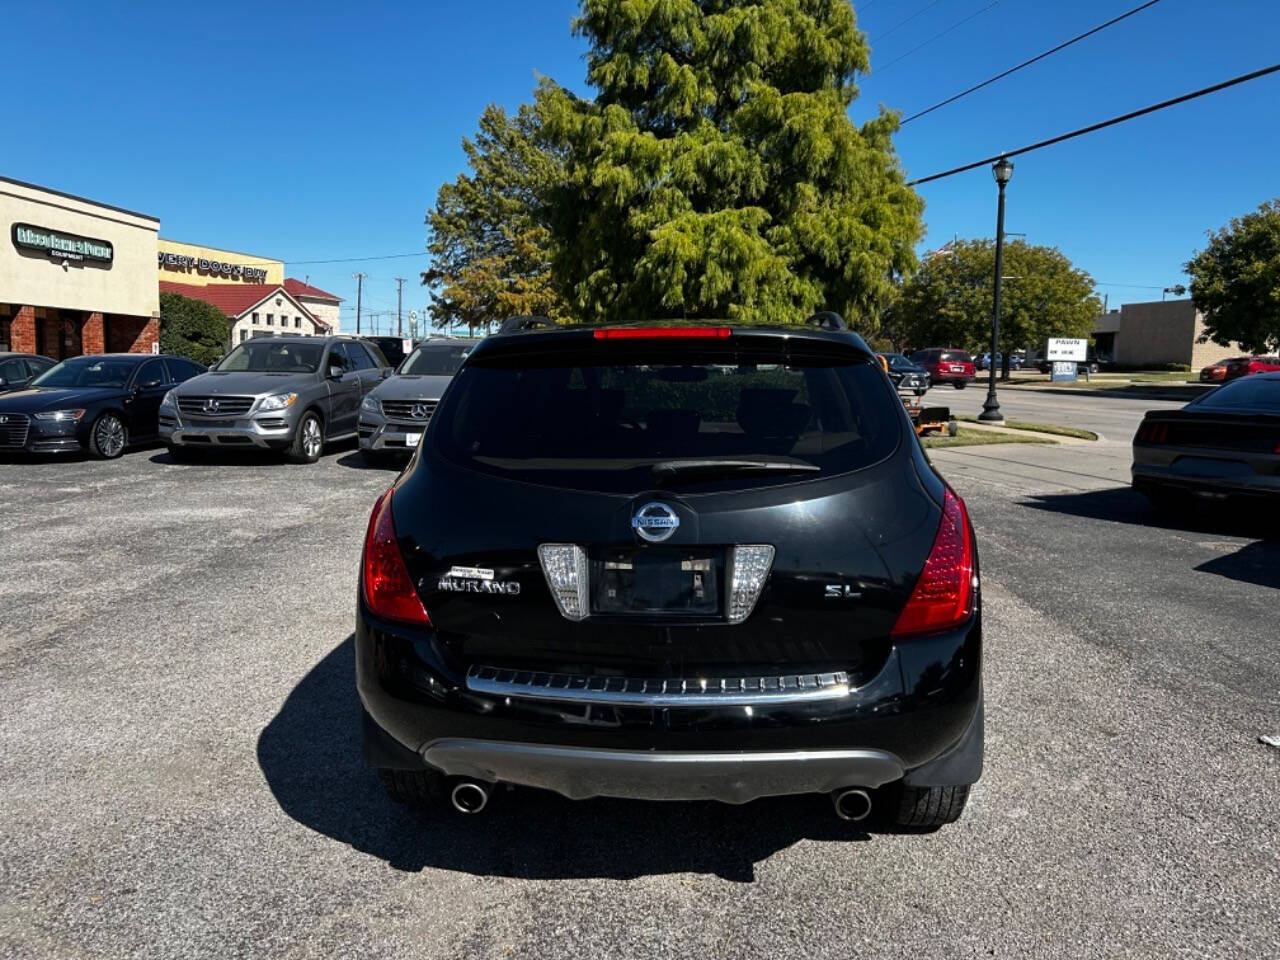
[(1178, 367), (192, 328)]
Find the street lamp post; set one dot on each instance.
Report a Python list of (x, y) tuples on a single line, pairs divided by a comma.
[(1002, 170)]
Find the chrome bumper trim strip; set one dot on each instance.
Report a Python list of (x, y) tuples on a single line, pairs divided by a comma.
[(687, 692)]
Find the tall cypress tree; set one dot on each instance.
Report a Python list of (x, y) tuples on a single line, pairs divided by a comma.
[(717, 173)]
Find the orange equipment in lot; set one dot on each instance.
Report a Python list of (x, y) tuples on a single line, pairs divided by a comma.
[(924, 419)]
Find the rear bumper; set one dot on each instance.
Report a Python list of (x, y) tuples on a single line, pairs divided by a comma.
[(1246, 481), (918, 719)]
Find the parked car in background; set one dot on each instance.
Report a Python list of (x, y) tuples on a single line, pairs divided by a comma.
[(982, 361), (102, 403), (946, 365), (1224, 443), (17, 369), (395, 413), (673, 562), (908, 377), (1247, 366), (1215, 372), (391, 347), (291, 394)]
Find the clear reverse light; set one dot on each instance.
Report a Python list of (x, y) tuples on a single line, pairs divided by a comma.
[(565, 567), (749, 568), (60, 415)]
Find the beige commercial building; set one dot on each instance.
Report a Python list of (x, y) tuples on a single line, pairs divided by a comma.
[(1157, 333), (76, 276)]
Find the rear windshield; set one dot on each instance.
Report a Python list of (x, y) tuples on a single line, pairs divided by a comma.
[(440, 360), (956, 356), (684, 418), (1248, 393)]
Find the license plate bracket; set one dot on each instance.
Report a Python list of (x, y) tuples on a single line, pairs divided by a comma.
[(654, 580)]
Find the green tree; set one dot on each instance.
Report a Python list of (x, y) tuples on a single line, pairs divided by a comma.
[(949, 301), (490, 256), (1235, 281), (192, 328), (716, 173)]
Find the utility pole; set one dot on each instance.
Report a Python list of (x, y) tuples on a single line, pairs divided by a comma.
[(399, 325), (359, 279)]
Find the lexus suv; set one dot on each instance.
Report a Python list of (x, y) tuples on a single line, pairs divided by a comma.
[(291, 394), (394, 414), (710, 562)]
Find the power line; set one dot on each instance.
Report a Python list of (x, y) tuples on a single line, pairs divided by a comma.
[(1035, 59), (389, 256), (936, 36), (894, 29), (1204, 91)]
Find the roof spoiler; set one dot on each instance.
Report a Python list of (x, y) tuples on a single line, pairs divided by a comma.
[(522, 323)]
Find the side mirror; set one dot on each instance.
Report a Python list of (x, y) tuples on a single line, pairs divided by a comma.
[(151, 383), (335, 373), (3, 383)]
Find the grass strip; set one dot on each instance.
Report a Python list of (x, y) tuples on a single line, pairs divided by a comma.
[(1051, 428), (976, 438)]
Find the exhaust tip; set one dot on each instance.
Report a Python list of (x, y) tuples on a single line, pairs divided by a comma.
[(853, 804), (469, 797)]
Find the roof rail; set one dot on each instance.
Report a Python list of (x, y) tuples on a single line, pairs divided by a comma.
[(525, 322), (827, 320)]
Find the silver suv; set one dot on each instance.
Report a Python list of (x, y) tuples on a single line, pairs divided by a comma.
[(283, 393), (395, 414)]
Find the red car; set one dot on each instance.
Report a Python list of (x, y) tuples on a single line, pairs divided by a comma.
[(946, 365), (1244, 366)]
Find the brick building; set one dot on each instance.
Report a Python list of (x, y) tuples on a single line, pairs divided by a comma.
[(76, 276)]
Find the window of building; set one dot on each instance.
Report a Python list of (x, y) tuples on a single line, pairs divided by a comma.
[(297, 322), (271, 319), (244, 334), (4, 335), (255, 318)]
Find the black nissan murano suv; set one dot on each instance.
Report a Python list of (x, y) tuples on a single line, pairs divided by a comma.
[(673, 562)]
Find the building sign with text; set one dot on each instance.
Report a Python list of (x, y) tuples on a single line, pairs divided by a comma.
[(235, 271), (61, 246)]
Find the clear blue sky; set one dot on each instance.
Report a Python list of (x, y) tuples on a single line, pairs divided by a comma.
[(325, 134)]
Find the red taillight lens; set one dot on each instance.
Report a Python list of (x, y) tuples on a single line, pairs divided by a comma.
[(943, 596), (1153, 433), (662, 333), (388, 589)]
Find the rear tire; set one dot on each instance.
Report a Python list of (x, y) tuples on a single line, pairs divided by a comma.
[(414, 788), (925, 808), (308, 440), (959, 384)]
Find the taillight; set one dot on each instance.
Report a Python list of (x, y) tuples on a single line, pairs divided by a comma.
[(662, 333), (1153, 433), (944, 594), (388, 589)]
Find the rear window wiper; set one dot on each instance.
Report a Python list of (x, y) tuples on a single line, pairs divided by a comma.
[(667, 469)]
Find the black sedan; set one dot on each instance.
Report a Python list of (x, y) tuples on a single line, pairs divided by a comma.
[(18, 369), (1225, 443), (99, 403)]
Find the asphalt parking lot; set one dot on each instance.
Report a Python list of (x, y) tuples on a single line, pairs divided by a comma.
[(180, 771)]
